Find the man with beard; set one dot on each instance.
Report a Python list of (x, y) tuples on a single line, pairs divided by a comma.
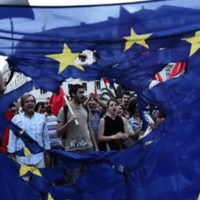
[(35, 126), (78, 138), (55, 140), (126, 99)]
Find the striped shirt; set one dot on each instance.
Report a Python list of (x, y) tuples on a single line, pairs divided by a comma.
[(55, 141)]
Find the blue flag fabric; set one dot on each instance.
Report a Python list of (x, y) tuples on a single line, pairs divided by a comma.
[(129, 48)]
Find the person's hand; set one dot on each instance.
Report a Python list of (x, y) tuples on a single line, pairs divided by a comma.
[(47, 159), (120, 135), (91, 96), (72, 118), (126, 114)]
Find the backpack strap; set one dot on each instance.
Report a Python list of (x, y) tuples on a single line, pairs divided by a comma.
[(85, 106), (65, 112)]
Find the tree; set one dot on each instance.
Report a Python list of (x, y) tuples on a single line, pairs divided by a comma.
[(117, 92)]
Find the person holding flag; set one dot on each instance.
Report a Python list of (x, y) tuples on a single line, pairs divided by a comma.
[(77, 138)]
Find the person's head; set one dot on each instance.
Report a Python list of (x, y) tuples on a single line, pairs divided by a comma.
[(132, 106), (126, 99), (92, 105), (136, 112), (112, 106), (40, 107), (76, 93), (28, 102), (47, 106), (120, 110)]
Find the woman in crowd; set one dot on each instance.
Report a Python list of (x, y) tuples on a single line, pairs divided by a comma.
[(113, 128), (40, 107), (137, 123), (133, 135)]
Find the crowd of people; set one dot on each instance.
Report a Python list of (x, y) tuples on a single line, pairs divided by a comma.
[(81, 126)]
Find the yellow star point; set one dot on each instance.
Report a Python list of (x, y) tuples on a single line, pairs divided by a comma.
[(50, 197), (198, 197), (26, 151), (195, 42), (66, 58), (24, 169), (21, 132), (134, 38)]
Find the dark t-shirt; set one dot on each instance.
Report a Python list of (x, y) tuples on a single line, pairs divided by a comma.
[(112, 127)]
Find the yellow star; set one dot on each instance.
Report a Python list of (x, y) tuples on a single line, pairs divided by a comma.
[(195, 42), (24, 169), (26, 151), (21, 132), (50, 197), (134, 38), (198, 197), (65, 58)]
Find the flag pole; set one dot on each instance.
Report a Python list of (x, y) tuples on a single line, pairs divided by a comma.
[(70, 109)]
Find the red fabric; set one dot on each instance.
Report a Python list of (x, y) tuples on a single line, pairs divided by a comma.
[(5, 138), (178, 68), (57, 101), (106, 80)]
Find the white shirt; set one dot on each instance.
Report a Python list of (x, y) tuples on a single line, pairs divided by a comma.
[(36, 128)]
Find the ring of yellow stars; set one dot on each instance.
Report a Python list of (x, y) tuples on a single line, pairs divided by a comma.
[(66, 58), (194, 41), (134, 38), (24, 169)]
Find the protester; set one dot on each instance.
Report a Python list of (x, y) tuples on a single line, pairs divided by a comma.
[(133, 136), (126, 99), (113, 128), (77, 138), (55, 140), (96, 114), (35, 126), (39, 107), (137, 123)]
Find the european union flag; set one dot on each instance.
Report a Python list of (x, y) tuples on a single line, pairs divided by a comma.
[(129, 44)]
